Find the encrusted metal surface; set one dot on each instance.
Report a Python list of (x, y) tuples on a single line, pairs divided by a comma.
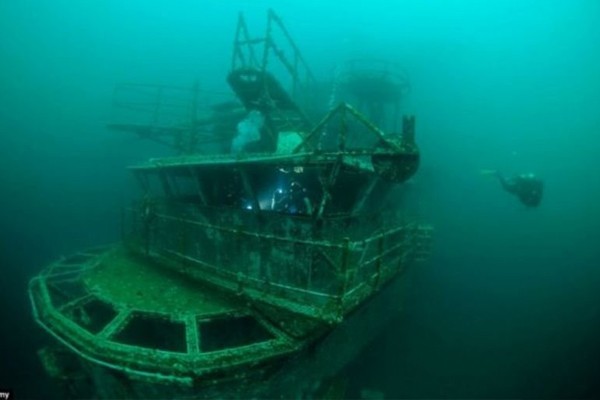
[(62, 312), (129, 282), (242, 266)]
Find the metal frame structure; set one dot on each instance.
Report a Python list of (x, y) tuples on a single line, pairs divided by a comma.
[(376, 87), (64, 294), (240, 269), (245, 53), (172, 116)]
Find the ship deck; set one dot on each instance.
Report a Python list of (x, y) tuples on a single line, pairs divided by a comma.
[(126, 281), (127, 313)]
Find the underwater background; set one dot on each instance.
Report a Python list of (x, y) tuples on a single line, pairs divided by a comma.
[(507, 306)]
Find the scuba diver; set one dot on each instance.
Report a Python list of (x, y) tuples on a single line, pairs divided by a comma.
[(294, 200), (527, 187)]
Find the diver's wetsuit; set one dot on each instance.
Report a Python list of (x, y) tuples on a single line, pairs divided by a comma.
[(527, 187)]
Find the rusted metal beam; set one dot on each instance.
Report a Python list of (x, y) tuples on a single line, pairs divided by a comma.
[(272, 15), (365, 195)]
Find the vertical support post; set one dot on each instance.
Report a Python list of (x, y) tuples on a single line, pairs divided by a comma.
[(327, 188), (165, 182), (252, 55), (199, 186), (343, 130), (344, 268), (192, 334), (237, 53), (268, 43)]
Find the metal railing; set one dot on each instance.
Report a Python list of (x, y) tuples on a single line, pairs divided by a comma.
[(300, 268)]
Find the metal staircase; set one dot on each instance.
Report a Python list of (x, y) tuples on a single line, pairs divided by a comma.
[(258, 89)]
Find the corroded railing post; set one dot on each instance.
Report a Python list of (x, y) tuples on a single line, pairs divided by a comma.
[(343, 130), (344, 268)]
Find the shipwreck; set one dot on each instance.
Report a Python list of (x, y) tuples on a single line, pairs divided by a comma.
[(259, 258)]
